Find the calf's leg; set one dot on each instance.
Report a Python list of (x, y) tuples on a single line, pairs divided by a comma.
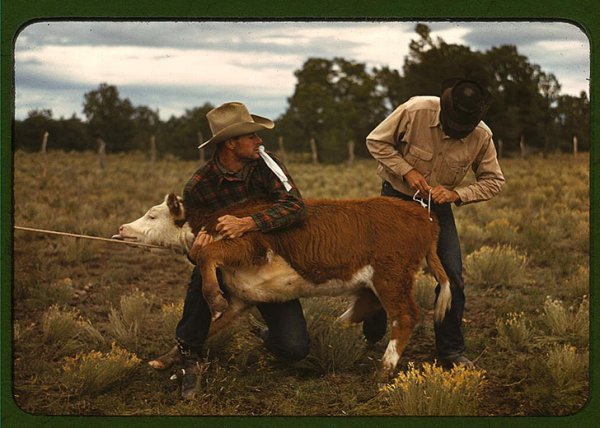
[(395, 294)]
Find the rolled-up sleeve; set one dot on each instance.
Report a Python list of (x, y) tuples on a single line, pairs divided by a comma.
[(488, 175), (383, 140)]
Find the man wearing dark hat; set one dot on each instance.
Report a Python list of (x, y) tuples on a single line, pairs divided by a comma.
[(424, 150), (240, 170)]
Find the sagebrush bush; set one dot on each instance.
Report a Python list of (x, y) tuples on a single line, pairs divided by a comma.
[(514, 332), (433, 391), (95, 371), (496, 266)]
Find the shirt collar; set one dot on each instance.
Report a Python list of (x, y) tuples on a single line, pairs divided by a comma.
[(223, 173), (435, 122)]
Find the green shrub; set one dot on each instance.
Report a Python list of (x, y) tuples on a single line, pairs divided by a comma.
[(496, 266), (433, 391), (95, 371)]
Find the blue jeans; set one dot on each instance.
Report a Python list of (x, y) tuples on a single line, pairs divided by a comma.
[(449, 340), (287, 336)]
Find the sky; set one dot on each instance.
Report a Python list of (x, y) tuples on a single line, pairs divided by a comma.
[(174, 66)]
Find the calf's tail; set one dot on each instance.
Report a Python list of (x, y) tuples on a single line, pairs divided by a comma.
[(444, 299)]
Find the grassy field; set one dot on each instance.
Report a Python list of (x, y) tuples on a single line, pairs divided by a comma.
[(89, 315)]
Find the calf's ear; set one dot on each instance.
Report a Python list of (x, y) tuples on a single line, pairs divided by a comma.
[(175, 204)]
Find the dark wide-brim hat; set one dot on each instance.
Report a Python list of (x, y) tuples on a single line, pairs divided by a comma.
[(233, 119), (463, 105)]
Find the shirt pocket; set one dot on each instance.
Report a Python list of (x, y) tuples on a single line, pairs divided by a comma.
[(420, 159), (452, 172)]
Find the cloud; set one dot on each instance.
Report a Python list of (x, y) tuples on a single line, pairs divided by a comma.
[(177, 65)]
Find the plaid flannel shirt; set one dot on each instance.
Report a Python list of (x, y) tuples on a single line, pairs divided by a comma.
[(210, 189)]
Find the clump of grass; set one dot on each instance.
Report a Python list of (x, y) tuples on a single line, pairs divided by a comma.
[(432, 391), (562, 322), (472, 236), (496, 266), (423, 290), (77, 250), (60, 325), (500, 230), (555, 316), (124, 323), (515, 332), (95, 371), (578, 283), (171, 314), (135, 308), (567, 368), (334, 348)]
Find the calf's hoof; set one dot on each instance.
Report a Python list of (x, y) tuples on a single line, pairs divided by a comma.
[(165, 361), (157, 365), (217, 304)]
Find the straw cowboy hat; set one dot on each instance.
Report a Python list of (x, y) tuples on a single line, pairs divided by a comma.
[(232, 120), (463, 104)]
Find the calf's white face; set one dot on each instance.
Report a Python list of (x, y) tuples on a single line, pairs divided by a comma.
[(162, 225)]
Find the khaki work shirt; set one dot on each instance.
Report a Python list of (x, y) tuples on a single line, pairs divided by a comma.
[(412, 138)]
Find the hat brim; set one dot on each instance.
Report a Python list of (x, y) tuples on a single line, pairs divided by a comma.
[(259, 123), (459, 121)]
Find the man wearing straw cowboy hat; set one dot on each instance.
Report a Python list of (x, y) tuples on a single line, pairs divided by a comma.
[(240, 170), (424, 150)]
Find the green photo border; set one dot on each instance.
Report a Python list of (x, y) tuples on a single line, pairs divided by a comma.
[(15, 14)]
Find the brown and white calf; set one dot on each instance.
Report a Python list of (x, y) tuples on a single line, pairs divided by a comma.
[(368, 248)]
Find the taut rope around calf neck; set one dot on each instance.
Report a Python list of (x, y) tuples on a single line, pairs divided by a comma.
[(96, 238)]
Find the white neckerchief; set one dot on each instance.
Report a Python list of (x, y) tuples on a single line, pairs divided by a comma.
[(274, 167)]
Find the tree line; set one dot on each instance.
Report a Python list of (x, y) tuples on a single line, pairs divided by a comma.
[(338, 101)]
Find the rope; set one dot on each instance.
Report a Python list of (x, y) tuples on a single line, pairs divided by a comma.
[(423, 204), (96, 238)]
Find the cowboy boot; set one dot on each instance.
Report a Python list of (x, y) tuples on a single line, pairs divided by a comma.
[(190, 371)]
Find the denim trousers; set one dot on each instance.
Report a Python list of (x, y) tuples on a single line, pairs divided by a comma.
[(287, 337), (449, 340)]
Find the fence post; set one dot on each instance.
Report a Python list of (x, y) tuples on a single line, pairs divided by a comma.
[(153, 149), (575, 148), (281, 149), (201, 154), (350, 152), (45, 153), (523, 147), (313, 149), (500, 147), (101, 152)]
